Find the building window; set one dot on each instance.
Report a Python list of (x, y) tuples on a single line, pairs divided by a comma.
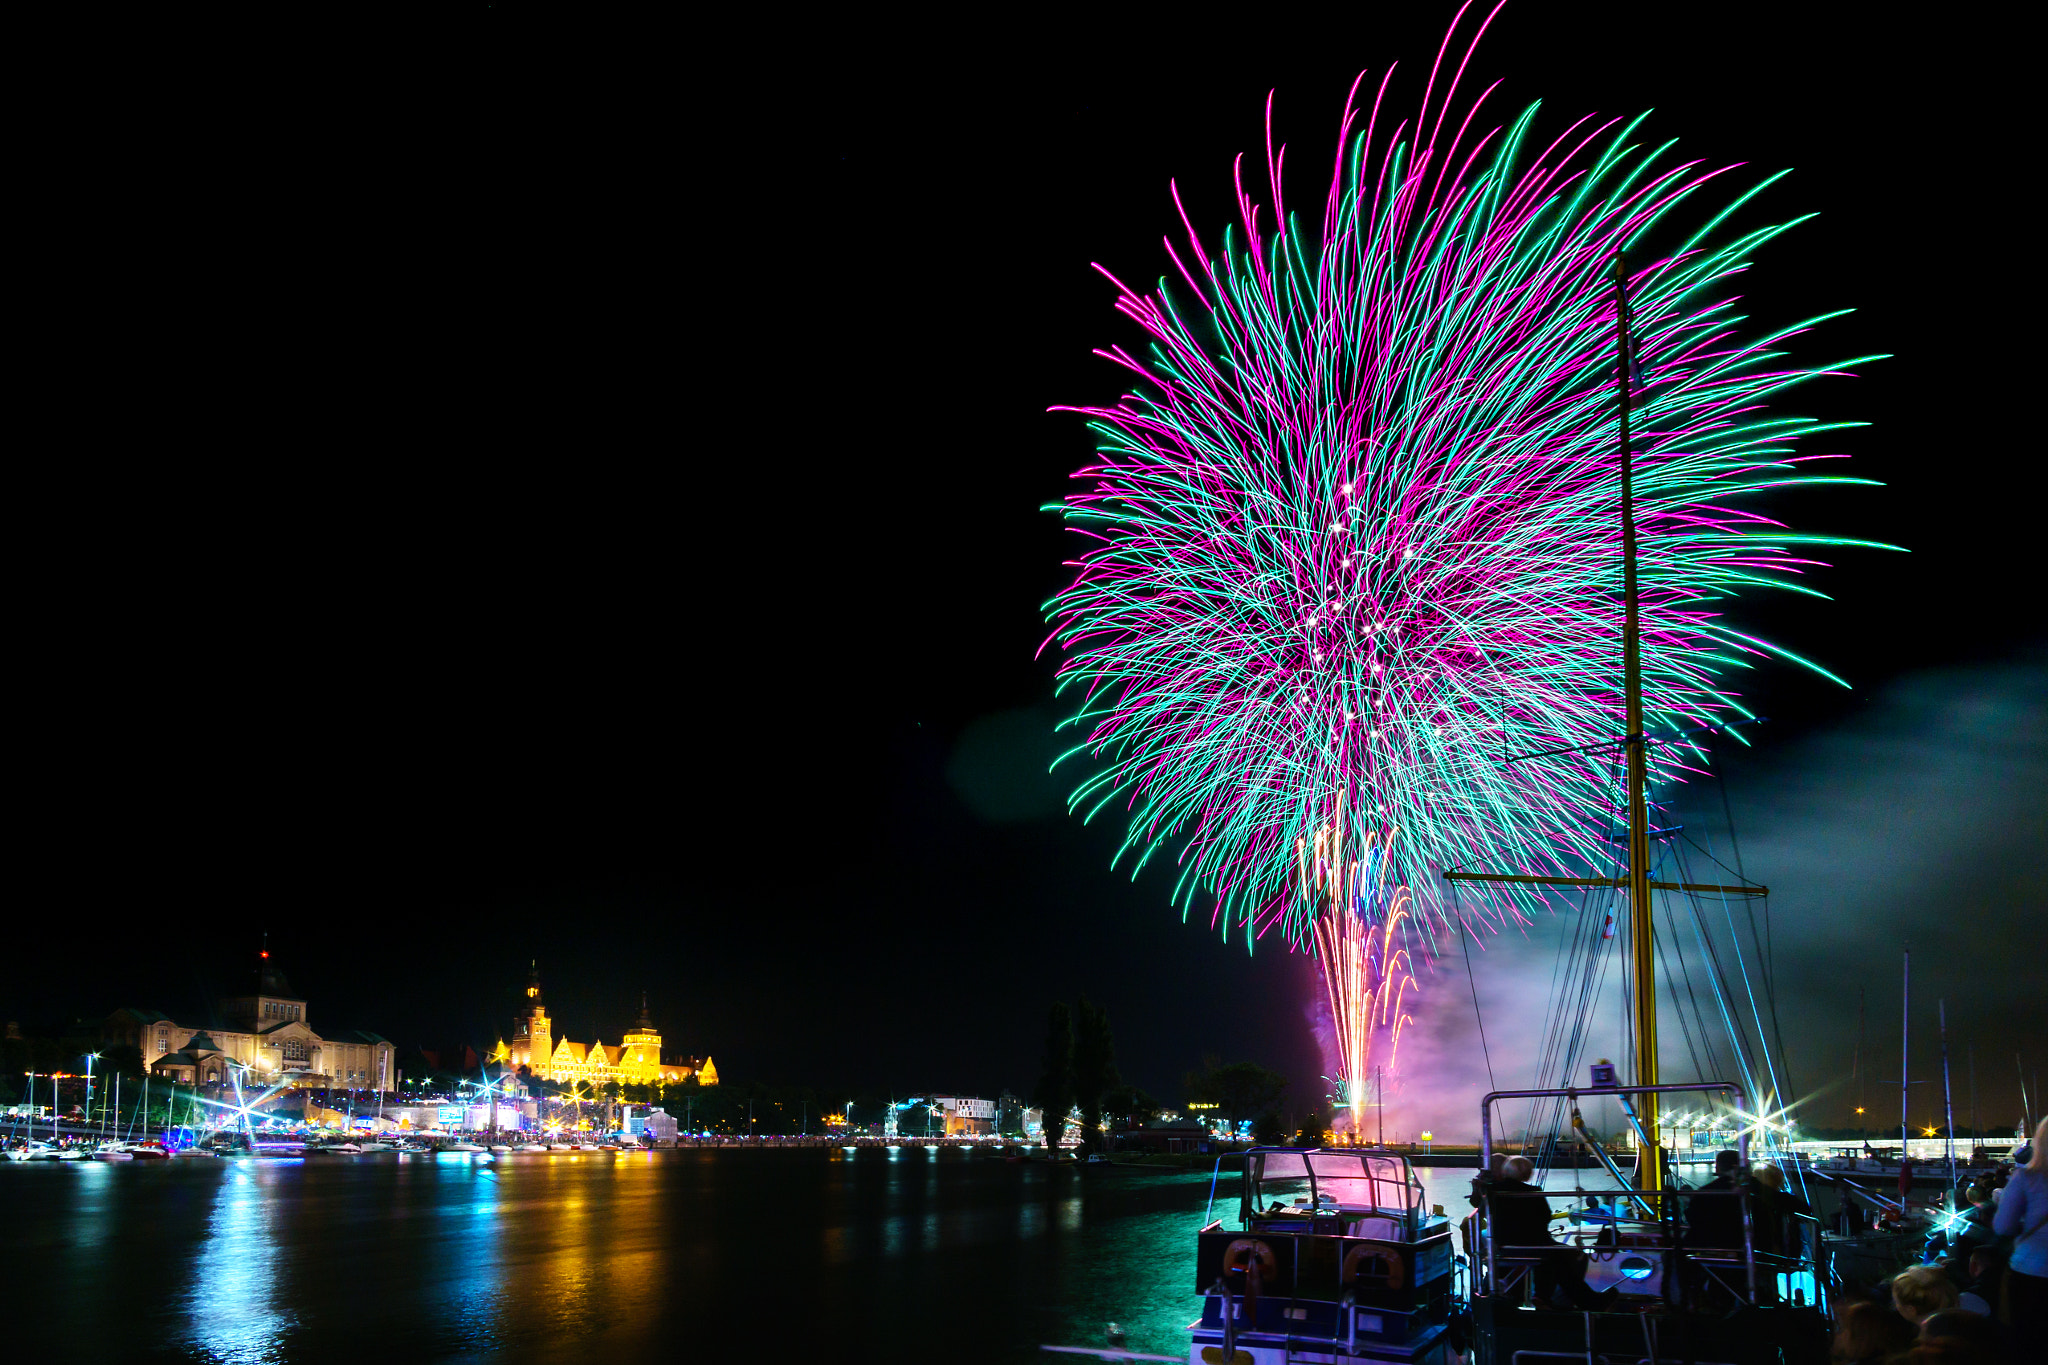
[(293, 1049)]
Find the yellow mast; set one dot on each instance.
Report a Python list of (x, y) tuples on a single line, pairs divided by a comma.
[(1650, 1174)]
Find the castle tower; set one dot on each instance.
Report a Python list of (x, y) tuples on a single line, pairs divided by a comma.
[(533, 1040), (640, 1057)]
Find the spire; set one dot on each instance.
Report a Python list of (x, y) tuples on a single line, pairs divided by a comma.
[(646, 1024), (532, 981), (269, 977)]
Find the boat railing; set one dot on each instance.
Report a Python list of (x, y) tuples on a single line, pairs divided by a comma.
[(1354, 1182), (1659, 1232), (1747, 1274)]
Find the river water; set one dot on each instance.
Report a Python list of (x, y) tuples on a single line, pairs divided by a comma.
[(782, 1254)]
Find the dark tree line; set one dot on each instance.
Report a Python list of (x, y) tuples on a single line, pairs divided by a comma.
[(1078, 1071), (1241, 1092)]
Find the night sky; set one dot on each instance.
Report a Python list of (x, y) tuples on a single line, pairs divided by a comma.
[(578, 502)]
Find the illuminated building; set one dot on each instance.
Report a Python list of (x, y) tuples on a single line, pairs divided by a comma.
[(266, 1032), (635, 1061), (967, 1117)]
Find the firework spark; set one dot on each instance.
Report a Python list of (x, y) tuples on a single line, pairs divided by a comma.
[(1353, 534)]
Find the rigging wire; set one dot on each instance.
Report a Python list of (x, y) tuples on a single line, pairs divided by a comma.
[(1466, 939), (1587, 963), (1684, 1024), (1692, 999), (1768, 949)]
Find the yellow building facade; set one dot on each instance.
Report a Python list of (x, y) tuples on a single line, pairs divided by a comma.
[(635, 1061), (266, 1032)]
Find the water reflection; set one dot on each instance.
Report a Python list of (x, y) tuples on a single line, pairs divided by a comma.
[(472, 1299), (231, 1297), (546, 1258)]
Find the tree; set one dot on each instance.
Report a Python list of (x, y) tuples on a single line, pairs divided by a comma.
[(1094, 1070), (1314, 1124), (1054, 1093), (1240, 1091), (1129, 1104), (121, 1059)]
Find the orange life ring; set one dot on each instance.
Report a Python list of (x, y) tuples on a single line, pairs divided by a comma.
[(1240, 1253), (1355, 1258)]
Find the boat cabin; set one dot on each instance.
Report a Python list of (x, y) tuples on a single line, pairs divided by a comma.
[(1335, 1254)]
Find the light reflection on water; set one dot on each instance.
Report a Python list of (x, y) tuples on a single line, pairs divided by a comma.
[(230, 1296), (552, 1257)]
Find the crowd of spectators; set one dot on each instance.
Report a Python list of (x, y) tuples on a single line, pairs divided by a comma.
[(1982, 1296)]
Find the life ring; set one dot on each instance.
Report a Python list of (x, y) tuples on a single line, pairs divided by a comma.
[(1355, 1259), (1245, 1250)]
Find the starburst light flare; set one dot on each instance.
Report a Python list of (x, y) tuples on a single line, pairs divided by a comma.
[(1354, 533)]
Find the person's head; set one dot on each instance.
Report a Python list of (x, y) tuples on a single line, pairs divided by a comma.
[(1985, 1261), (1517, 1168), (1962, 1336), (1727, 1163), (1870, 1331), (2037, 1160), (1979, 1194), (1768, 1176), (1921, 1291)]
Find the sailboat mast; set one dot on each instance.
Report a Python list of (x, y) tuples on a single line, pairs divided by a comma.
[(1650, 1170), (1905, 1051), (1976, 1133), (1859, 1065), (1948, 1108)]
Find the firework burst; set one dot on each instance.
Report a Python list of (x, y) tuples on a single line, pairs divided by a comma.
[(1353, 534)]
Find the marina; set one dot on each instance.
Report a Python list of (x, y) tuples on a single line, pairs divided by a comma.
[(541, 1252)]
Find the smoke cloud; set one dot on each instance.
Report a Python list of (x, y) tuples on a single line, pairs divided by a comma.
[(1919, 821)]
